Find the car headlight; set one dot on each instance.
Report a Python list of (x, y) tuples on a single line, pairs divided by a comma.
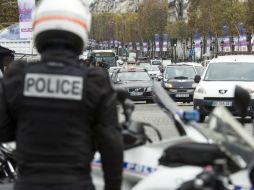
[(200, 90), (168, 85), (149, 89)]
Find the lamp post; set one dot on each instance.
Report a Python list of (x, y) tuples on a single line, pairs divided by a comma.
[(213, 48), (183, 51), (222, 46), (175, 51), (193, 51), (201, 45), (232, 44)]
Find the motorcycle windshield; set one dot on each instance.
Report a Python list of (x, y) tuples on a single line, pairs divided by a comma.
[(231, 137)]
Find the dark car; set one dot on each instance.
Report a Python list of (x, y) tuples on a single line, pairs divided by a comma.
[(178, 80), (137, 82)]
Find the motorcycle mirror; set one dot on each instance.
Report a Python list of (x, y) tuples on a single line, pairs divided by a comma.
[(242, 101), (133, 135), (128, 109), (128, 105)]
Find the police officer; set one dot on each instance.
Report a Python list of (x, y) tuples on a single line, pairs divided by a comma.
[(58, 112)]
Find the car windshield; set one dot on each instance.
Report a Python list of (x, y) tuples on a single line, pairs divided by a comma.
[(144, 65), (133, 76), (152, 68), (230, 72), (176, 72)]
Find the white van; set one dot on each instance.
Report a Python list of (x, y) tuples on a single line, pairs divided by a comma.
[(217, 84)]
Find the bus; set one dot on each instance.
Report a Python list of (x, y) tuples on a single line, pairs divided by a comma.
[(109, 56)]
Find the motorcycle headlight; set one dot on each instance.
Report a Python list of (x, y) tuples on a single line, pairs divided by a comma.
[(168, 85), (200, 90), (149, 89)]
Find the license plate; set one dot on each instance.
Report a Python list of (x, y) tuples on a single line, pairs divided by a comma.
[(222, 103), (182, 95), (136, 93)]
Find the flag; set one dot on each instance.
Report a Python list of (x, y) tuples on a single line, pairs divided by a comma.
[(165, 42), (145, 48), (157, 42), (242, 37), (252, 42), (25, 8), (197, 41), (137, 46), (225, 40)]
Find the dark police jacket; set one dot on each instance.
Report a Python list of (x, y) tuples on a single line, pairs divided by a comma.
[(59, 113)]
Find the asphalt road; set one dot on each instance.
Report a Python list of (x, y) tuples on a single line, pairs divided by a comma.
[(152, 113)]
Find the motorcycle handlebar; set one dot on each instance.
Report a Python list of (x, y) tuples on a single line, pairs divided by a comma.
[(154, 128)]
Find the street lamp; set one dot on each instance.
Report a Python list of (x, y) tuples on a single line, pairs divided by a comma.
[(175, 51)]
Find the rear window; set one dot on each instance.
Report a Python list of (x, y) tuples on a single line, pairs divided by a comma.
[(133, 76), (156, 62)]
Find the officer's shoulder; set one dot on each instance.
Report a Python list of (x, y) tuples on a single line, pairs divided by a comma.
[(15, 68), (97, 72)]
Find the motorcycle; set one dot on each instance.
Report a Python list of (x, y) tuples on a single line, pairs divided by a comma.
[(141, 154), (143, 158), (225, 162)]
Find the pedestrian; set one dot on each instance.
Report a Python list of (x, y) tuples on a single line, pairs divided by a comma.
[(59, 112)]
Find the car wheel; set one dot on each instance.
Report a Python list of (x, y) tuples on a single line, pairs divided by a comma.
[(149, 101)]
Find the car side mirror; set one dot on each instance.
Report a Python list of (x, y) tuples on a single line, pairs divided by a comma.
[(242, 101), (197, 78)]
